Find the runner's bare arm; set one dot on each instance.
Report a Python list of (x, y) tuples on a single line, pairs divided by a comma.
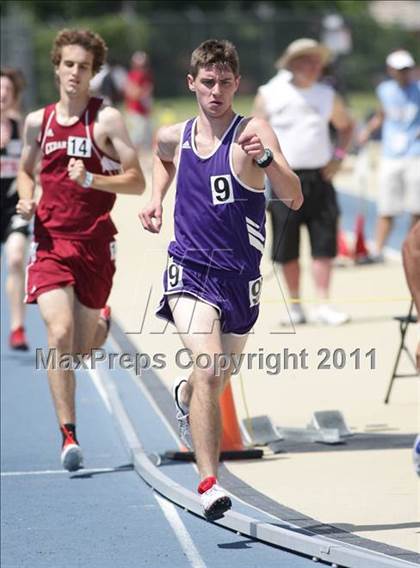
[(411, 258), (343, 123), (163, 174), (257, 136), (30, 154), (131, 180)]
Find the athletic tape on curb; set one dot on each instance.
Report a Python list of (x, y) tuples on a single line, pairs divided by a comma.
[(286, 536)]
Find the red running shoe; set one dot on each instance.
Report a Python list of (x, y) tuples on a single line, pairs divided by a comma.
[(17, 339)]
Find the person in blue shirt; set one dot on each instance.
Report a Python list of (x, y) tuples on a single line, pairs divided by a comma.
[(399, 117)]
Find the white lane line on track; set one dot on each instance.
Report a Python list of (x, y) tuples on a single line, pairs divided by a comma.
[(168, 508), (99, 387), (183, 536), (136, 380), (58, 472)]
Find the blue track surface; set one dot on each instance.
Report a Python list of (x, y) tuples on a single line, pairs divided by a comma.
[(96, 518), (106, 518)]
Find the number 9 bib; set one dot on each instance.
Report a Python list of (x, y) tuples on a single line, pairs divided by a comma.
[(221, 189)]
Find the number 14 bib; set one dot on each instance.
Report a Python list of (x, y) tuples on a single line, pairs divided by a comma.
[(79, 147)]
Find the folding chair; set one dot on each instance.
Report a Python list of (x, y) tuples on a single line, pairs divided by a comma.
[(404, 322)]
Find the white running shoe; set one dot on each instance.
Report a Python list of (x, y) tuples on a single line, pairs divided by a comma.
[(295, 316), (182, 415), (215, 502), (71, 453), (377, 258), (329, 316), (72, 457)]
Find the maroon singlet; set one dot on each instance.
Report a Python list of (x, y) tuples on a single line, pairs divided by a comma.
[(67, 210)]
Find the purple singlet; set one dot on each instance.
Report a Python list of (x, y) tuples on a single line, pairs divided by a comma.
[(219, 235), (219, 221)]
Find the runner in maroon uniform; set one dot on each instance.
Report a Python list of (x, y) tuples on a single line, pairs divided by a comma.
[(87, 158)]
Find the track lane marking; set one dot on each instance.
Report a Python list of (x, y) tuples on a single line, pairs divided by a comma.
[(169, 510), (181, 533), (60, 472)]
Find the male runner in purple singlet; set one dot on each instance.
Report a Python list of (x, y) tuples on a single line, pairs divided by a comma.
[(213, 282)]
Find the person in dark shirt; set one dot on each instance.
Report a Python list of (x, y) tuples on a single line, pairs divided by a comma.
[(14, 229)]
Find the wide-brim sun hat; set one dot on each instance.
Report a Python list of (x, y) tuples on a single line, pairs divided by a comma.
[(303, 46)]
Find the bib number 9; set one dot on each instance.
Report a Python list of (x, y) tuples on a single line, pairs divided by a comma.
[(79, 147), (221, 189), (174, 274), (255, 287)]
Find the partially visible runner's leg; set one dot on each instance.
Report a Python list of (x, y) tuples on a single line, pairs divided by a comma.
[(56, 308), (199, 328), (15, 248)]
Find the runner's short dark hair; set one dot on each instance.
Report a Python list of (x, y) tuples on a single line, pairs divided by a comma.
[(214, 52)]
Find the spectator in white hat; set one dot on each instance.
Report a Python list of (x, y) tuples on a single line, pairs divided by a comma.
[(300, 110), (399, 117)]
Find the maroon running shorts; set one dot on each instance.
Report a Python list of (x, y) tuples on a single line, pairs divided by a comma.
[(88, 266)]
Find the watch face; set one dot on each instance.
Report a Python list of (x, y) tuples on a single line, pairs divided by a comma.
[(263, 159), (266, 159)]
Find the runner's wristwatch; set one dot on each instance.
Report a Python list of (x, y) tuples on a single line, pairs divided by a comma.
[(266, 159)]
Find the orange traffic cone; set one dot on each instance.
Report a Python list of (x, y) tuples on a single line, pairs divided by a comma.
[(361, 253), (231, 436), (342, 246), (231, 445)]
